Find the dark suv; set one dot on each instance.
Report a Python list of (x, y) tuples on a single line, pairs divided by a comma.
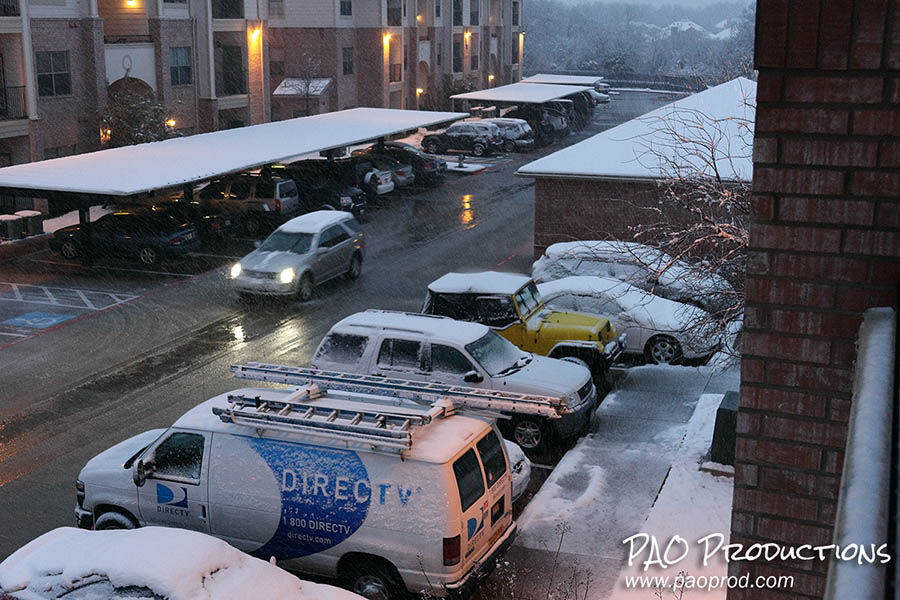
[(319, 186), (427, 167), (477, 137)]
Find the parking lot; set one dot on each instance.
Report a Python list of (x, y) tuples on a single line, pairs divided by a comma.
[(94, 354)]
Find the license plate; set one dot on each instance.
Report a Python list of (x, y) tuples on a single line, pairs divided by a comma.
[(227, 222)]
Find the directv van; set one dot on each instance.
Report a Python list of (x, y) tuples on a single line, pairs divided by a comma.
[(385, 494)]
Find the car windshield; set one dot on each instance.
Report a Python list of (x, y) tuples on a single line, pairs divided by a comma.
[(282, 241), (496, 355), (528, 299)]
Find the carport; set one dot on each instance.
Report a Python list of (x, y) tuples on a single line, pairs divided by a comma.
[(135, 172), (549, 78)]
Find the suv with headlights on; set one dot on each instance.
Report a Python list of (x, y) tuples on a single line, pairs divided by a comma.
[(301, 254), (511, 305)]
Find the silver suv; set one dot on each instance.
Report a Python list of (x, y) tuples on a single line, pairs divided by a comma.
[(302, 253)]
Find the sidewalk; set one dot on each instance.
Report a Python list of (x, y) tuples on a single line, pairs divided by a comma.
[(636, 472)]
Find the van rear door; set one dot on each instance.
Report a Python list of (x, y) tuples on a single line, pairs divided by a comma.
[(475, 508), (499, 485)]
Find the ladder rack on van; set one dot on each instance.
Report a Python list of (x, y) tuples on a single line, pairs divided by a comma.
[(422, 392), (386, 427)]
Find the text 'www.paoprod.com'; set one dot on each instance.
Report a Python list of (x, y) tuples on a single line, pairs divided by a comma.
[(683, 582)]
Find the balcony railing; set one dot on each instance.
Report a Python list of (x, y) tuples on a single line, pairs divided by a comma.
[(231, 83), (12, 103), (9, 8), (396, 73)]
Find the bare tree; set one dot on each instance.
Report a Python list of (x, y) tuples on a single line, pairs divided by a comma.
[(308, 71)]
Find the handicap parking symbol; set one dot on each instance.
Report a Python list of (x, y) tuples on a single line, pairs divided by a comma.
[(37, 320)]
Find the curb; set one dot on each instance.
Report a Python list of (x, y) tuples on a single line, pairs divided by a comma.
[(30, 245)]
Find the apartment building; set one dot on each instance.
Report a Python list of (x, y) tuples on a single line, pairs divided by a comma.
[(216, 64)]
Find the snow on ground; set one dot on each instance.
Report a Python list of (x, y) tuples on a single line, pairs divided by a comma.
[(71, 218), (191, 566)]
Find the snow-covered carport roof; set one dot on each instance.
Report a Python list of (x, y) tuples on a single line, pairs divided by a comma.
[(563, 79), (144, 168), (522, 93), (680, 138)]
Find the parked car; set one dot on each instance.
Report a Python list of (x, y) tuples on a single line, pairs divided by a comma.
[(304, 252), (359, 171), (401, 174), (214, 223), (284, 473), (637, 264), (660, 330), (152, 563), (512, 305), (547, 124), (428, 348), (139, 233), (320, 186), (426, 167), (477, 137), (266, 201), (517, 134), (519, 469)]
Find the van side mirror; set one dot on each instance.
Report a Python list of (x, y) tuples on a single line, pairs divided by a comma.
[(139, 474), (473, 377)]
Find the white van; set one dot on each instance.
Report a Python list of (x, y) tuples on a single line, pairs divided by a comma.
[(421, 347), (385, 494)]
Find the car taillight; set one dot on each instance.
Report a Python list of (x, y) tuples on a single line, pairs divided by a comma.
[(277, 205), (451, 551), (216, 225)]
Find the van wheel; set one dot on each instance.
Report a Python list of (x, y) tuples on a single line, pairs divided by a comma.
[(509, 146), (114, 520), (251, 226), (374, 580), (529, 433)]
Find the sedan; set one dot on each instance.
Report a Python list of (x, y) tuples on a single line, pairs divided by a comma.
[(150, 563), (426, 167), (660, 330), (139, 233)]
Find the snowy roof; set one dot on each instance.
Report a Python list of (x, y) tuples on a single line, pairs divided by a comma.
[(522, 93), (171, 163), (296, 86), (437, 442), (174, 563), (433, 327), (314, 222), (648, 146), (562, 79), (487, 282)]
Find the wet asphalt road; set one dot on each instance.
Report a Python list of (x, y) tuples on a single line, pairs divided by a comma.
[(138, 348)]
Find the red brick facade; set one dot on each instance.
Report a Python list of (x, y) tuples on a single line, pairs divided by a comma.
[(825, 246)]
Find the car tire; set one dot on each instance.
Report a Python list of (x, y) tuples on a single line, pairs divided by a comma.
[(374, 580), (509, 146), (478, 149), (355, 268), (662, 350), (252, 226), (529, 433), (70, 250), (148, 256), (430, 147), (305, 288), (114, 520)]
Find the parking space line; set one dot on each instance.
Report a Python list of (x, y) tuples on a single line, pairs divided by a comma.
[(13, 334), (59, 304), (49, 296), (67, 294), (84, 299), (215, 255)]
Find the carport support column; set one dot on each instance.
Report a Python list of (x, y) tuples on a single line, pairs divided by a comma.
[(84, 220)]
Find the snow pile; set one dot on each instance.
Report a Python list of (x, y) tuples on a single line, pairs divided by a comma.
[(71, 218), (174, 563)]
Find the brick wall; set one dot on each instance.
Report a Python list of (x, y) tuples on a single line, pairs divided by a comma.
[(824, 246)]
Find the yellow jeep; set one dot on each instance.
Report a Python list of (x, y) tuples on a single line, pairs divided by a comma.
[(511, 305)]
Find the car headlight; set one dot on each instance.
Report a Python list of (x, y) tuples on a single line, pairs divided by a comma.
[(286, 276), (235, 270)]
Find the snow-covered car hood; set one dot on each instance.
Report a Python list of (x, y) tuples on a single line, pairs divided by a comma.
[(273, 262), (519, 468), (544, 376), (115, 457), (566, 325)]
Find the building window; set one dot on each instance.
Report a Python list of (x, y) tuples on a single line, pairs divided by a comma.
[(276, 8), (59, 151), (53, 75), (394, 13), (347, 55), (515, 49), (227, 9), (474, 12), (175, 1), (437, 9), (473, 61), (515, 14), (276, 68), (457, 54), (180, 65), (457, 13), (440, 53), (346, 8)]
